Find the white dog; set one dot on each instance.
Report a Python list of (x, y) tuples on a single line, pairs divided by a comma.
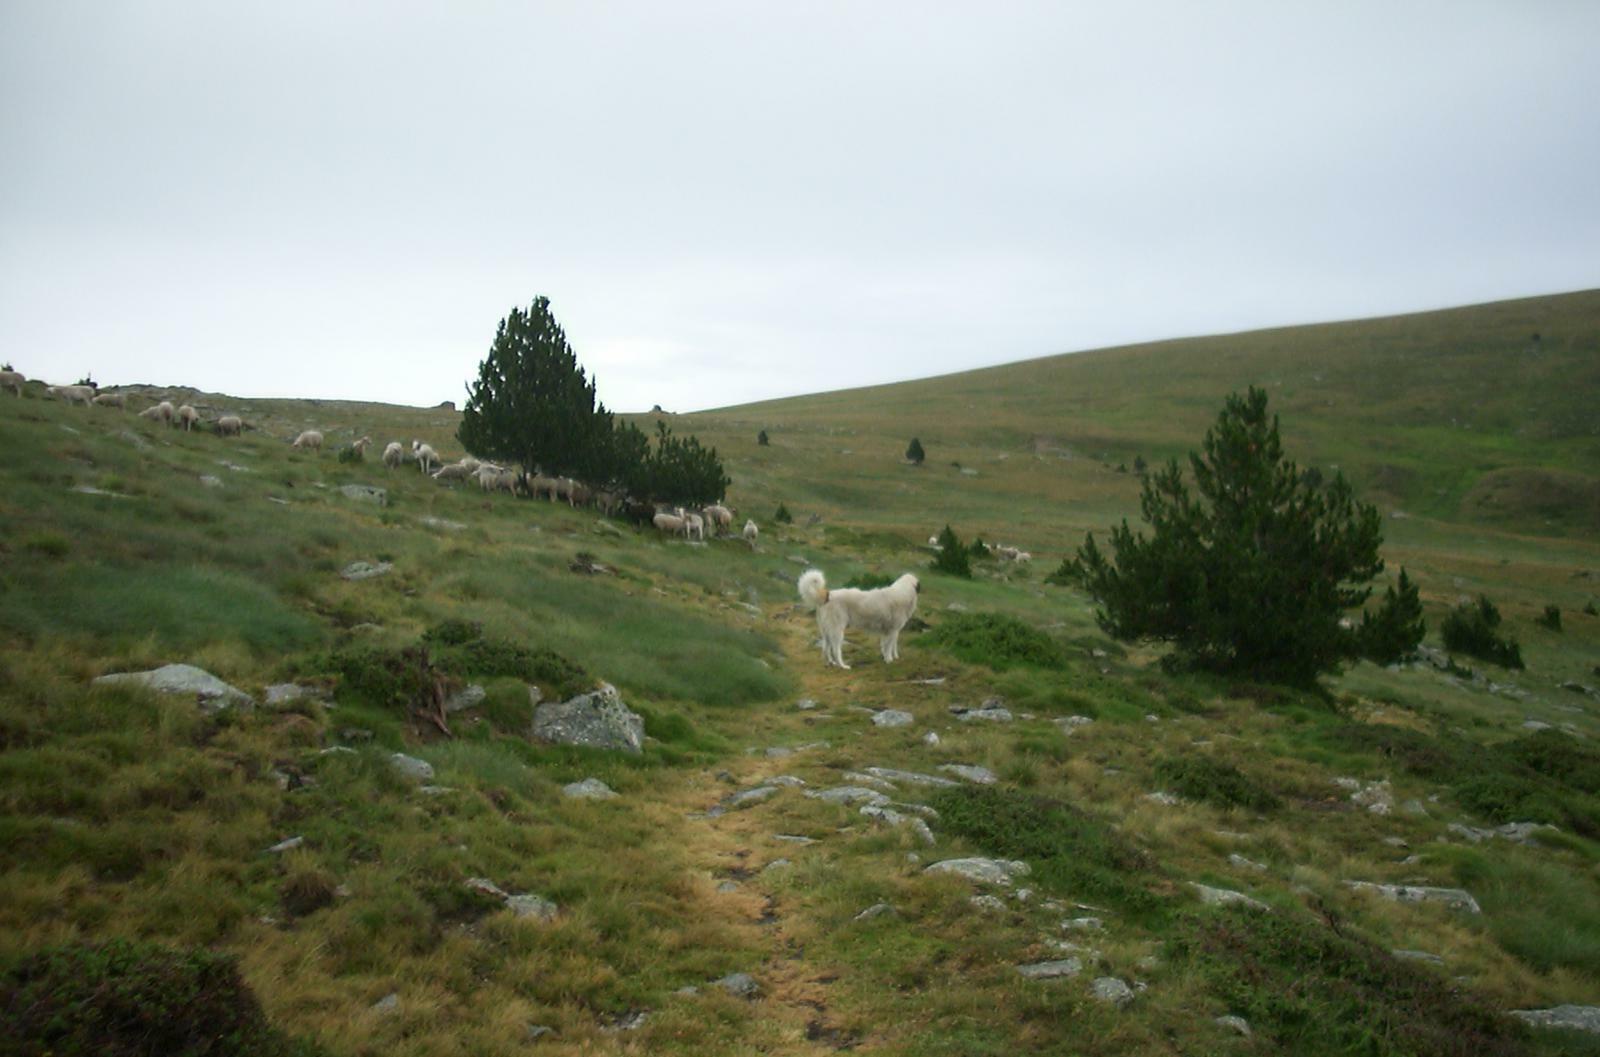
[(884, 610)]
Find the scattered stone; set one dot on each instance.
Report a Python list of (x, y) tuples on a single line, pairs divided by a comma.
[(336, 750), (441, 523), (365, 493), (787, 781), (388, 1005), (1071, 723), (1226, 897), (279, 694), (1415, 807), (794, 838), (1238, 1025), (930, 739), (728, 886), (895, 818), (1083, 925), (971, 772), (133, 438), (987, 715), (748, 797), (987, 902), (589, 789), (776, 864), (1454, 898), (411, 767), (210, 481), (485, 887), (1110, 989), (778, 752), (869, 779), (1022, 895), (1052, 970), (365, 570), (210, 693), (892, 717), (597, 719), (1396, 842), (984, 871), (876, 910), (1246, 864), (936, 681), (1516, 832), (532, 906), (849, 794), (287, 845), (538, 1031), (805, 704), (1161, 796), (1417, 956), (1151, 717), (889, 774), (739, 985), (628, 1021), (1575, 1018), (435, 790), (470, 697), (1536, 725)]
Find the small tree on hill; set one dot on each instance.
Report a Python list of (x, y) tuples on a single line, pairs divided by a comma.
[(532, 404), (782, 515), (1394, 632), (914, 452), (953, 557), (683, 470), (761, 439), (1252, 575)]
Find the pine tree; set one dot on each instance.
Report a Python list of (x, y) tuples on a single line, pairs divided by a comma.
[(761, 439), (953, 556), (914, 452), (1394, 632), (1252, 575), (532, 404)]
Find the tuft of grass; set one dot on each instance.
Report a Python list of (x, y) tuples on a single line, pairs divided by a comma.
[(996, 640), (1214, 782)]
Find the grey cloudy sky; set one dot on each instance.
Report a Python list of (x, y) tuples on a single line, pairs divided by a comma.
[(730, 201)]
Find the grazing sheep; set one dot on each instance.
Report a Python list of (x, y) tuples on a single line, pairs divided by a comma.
[(539, 485), (12, 380), (116, 400), (311, 438), (750, 533), (426, 457), (188, 416), (454, 471), (720, 517), (694, 526), (230, 426), (671, 524), (393, 454), (470, 463), (608, 501), (360, 445), (72, 394), (161, 412)]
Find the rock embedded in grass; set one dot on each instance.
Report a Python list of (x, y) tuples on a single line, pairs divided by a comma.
[(588, 789), (1221, 897), (982, 870), (970, 772), (876, 910), (356, 571), (1455, 898), (1573, 1018), (365, 493), (597, 719), (894, 818), (889, 774), (211, 693), (412, 768), (1052, 970), (849, 794), (892, 717), (1238, 1025), (739, 985), (1111, 990)]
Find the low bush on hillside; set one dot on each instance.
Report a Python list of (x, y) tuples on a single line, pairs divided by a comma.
[(996, 640), (1314, 987), (869, 581), (1551, 618), (1213, 782), (953, 557), (1473, 628), (1070, 852), (126, 999)]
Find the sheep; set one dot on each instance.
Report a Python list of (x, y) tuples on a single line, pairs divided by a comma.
[(453, 472), (671, 524), (539, 485), (72, 394), (230, 426), (116, 400), (188, 416), (12, 380), (161, 412), (486, 474), (720, 517), (393, 454), (470, 463), (426, 457), (751, 532), (565, 488), (360, 445), (311, 438), (608, 501), (694, 526)]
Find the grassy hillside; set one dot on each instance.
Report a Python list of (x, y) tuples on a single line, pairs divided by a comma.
[(124, 545)]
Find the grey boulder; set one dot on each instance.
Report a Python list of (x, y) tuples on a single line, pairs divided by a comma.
[(211, 693), (597, 719)]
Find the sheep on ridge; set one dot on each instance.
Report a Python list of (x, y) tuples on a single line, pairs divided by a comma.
[(671, 524), (751, 532), (116, 400), (161, 412), (188, 416), (360, 445), (455, 471), (694, 526), (393, 454), (426, 457), (72, 394), (12, 380), (311, 438), (720, 517), (230, 426)]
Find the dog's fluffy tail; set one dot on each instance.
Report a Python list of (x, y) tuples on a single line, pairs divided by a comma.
[(813, 588)]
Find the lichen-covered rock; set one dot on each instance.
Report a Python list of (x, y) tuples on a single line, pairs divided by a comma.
[(1225, 897), (211, 693), (589, 789), (597, 719), (411, 767), (365, 493), (1110, 989), (1052, 970), (365, 570), (1575, 1018), (984, 871), (1455, 898), (971, 773), (892, 717)]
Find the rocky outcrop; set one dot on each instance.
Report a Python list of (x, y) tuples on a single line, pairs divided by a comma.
[(597, 719), (210, 693)]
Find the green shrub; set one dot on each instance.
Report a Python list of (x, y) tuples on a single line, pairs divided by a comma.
[(1065, 575), (1316, 988), (126, 999), (350, 455), (761, 439), (914, 452), (1560, 757), (48, 544), (782, 515), (952, 558), (306, 889), (1470, 628), (1395, 631), (1070, 852), (996, 640), (1214, 782), (1502, 797), (869, 581), (1551, 618)]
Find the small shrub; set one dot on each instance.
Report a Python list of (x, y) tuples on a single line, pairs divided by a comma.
[(1065, 575), (1551, 618), (1213, 782), (1395, 632), (48, 544), (1560, 757), (952, 557), (1502, 797), (996, 640), (761, 439), (126, 999), (1470, 628), (1590, 609), (782, 515), (463, 650), (914, 452), (305, 890), (350, 455)]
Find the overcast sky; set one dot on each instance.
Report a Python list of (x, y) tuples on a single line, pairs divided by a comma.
[(732, 201)]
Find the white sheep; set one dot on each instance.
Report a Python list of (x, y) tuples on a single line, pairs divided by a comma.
[(393, 454), (608, 501), (311, 438), (116, 400), (454, 471), (188, 416), (72, 394), (161, 412), (539, 485), (230, 426), (426, 457), (720, 517), (470, 463), (12, 380), (671, 524), (694, 526), (360, 445), (751, 532)]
